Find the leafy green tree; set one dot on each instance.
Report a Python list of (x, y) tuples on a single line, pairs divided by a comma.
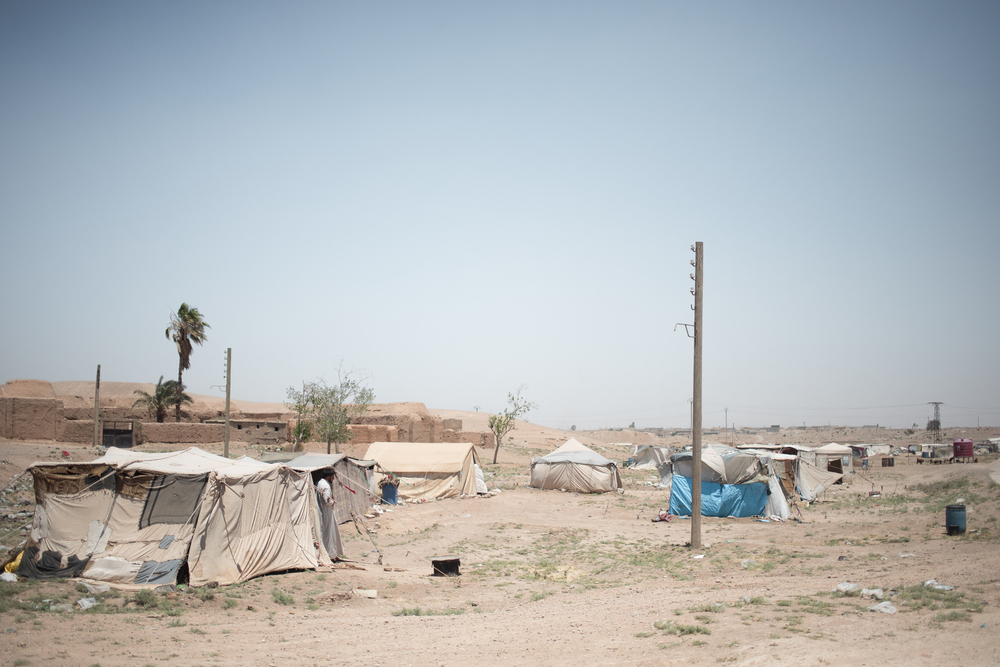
[(330, 409), (163, 396), (301, 402), (187, 327), (933, 425), (337, 406), (504, 423)]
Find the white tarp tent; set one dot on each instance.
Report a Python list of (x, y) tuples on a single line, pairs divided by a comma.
[(649, 456), (575, 467), (811, 481), (831, 457), (139, 518), (428, 470)]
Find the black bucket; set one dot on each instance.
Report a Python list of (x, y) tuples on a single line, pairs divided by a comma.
[(954, 519)]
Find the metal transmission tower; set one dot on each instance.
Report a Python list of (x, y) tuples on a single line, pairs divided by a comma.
[(937, 418)]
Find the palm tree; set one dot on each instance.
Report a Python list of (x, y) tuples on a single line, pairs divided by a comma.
[(161, 399), (186, 327)]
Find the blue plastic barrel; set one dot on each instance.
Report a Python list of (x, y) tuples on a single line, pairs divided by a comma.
[(389, 496), (954, 519)]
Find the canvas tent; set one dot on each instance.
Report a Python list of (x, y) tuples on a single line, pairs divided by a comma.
[(141, 518), (649, 456), (733, 483), (832, 458), (428, 469), (353, 487), (574, 467)]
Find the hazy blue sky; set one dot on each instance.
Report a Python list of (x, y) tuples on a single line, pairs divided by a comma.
[(460, 198)]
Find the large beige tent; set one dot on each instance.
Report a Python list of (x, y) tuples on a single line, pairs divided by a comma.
[(574, 467), (141, 518), (353, 487), (428, 469)]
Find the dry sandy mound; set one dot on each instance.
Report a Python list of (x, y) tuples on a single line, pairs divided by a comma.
[(27, 389)]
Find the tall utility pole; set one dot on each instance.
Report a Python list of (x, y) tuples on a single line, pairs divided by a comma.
[(699, 257), (97, 408), (229, 370)]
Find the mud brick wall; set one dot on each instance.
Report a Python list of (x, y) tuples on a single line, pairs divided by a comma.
[(30, 418), (183, 433), (77, 430), (365, 434)]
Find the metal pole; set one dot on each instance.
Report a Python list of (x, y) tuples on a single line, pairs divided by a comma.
[(97, 408), (229, 369), (696, 416)]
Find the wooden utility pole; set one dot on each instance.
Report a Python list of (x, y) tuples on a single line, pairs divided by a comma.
[(97, 408), (696, 417), (229, 370)]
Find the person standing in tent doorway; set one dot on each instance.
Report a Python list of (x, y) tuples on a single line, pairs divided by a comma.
[(325, 488), (328, 522)]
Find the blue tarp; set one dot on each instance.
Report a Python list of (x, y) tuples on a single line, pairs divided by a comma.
[(740, 500)]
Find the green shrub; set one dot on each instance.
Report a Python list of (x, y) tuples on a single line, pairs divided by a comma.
[(672, 628), (952, 616), (281, 597), (408, 611), (146, 599), (921, 597)]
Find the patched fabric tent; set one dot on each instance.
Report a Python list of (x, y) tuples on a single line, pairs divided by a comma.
[(141, 518), (428, 469), (733, 483), (354, 486), (649, 456), (574, 467)]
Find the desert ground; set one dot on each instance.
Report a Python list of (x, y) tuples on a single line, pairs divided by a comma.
[(552, 578)]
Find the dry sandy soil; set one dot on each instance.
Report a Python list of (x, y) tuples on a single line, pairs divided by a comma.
[(551, 578)]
